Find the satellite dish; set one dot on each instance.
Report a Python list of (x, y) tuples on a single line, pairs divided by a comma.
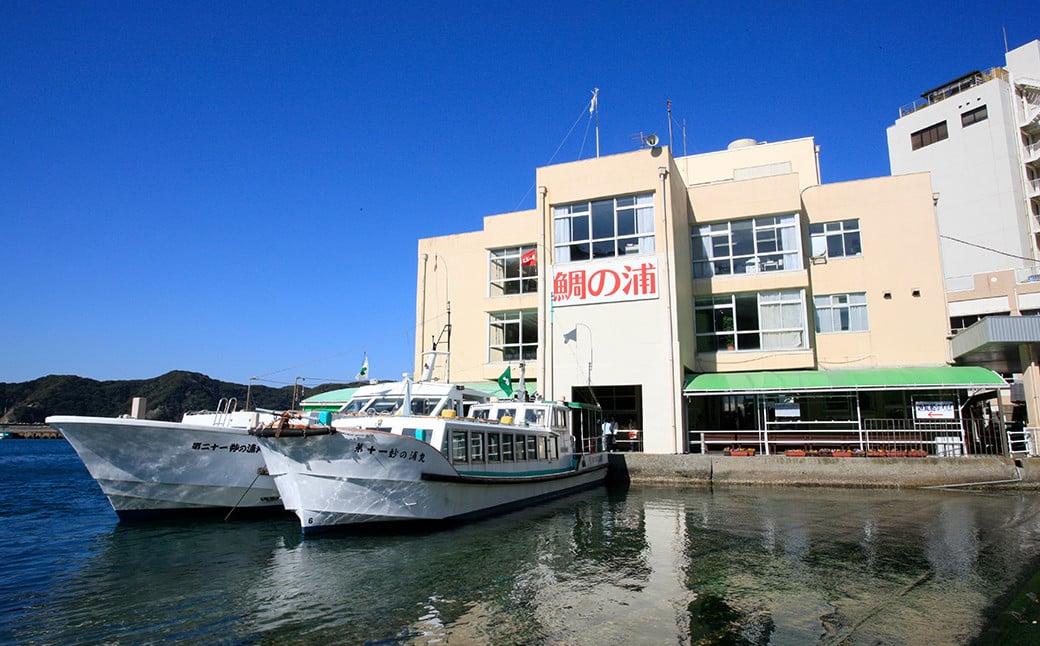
[(652, 141)]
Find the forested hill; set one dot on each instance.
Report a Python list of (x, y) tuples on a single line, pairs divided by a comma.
[(169, 396)]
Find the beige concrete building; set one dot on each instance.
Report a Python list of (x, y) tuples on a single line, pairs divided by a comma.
[(715, 301)]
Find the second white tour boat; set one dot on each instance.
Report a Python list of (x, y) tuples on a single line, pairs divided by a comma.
[(423, 451)]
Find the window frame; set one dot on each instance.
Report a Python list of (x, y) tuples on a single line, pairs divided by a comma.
[(974, 116), (494, 447), (854, 312), (606, 228), (459, 446), (721, 248), (823, 234), (477, 442), (508, 275), (512, 329), (927, 136), (737, 321)]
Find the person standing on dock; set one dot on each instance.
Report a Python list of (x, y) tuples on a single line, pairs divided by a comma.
[(608, 434)]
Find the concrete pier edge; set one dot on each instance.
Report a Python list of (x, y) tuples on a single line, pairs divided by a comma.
[(981, 472)]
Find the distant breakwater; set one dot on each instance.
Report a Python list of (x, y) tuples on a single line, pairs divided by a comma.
[(29, 432)]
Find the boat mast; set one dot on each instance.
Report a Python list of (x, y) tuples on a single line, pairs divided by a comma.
[(422, 315), (432, 353)]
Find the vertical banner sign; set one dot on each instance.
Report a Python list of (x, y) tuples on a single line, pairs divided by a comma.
[(605, 281)]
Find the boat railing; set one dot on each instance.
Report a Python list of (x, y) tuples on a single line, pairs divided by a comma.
[(225, 407), (942, 438), (1023, 440)]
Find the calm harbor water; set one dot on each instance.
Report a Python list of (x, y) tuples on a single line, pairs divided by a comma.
[(637, 566)]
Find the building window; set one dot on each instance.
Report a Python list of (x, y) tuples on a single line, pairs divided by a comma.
[(752, 321), (841, 313), (835, 239), (747, 246), (604, 228), (513, 270), (974, 116), (513, 336), (960, 323), (928, 136)]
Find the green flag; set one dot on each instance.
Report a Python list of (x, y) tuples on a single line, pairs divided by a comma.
[(505, 382)]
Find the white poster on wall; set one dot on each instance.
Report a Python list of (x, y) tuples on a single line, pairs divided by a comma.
[(934, 410)]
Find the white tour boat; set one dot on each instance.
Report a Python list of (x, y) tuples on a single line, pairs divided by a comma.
[(423, 451), (205, 464)]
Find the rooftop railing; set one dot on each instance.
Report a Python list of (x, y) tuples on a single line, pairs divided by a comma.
[(953, 88)]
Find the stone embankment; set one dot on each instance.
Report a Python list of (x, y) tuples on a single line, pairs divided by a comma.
[(708, 470), (29, 432)]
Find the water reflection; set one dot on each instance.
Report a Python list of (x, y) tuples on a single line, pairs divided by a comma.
[(647, 565)]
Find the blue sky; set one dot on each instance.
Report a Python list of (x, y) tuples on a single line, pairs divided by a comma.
[(238, 189)]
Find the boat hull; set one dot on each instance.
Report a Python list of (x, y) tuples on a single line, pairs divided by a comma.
[(151, 469), (350, 478)]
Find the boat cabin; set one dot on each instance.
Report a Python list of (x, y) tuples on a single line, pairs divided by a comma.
[(406, 398)]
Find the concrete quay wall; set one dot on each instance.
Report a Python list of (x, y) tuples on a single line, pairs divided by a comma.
[(775, 470)]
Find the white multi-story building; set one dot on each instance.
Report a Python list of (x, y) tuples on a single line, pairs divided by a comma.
[(979, 138)]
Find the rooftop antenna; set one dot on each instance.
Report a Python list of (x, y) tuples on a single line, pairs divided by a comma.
[(594, 111), (670, 124), (682, 128)]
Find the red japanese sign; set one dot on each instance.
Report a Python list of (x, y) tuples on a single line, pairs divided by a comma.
[(605, 281)]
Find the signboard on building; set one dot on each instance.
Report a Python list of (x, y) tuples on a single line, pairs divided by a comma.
[(606, 281), (934, 410)]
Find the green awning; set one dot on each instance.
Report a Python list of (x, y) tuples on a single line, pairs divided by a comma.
[(340, 396), (936, 378), (336, 398)]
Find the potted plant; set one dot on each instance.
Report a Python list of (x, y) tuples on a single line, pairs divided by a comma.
[(727, 325)]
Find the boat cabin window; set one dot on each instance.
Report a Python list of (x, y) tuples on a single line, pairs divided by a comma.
[(476, 447), (355, 405), (535, 416), (424, 405), (560, 419), (459, 452), (469, 401), (506, 412), (494, 442), (532, 448), (480, 413), (384, 405)]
